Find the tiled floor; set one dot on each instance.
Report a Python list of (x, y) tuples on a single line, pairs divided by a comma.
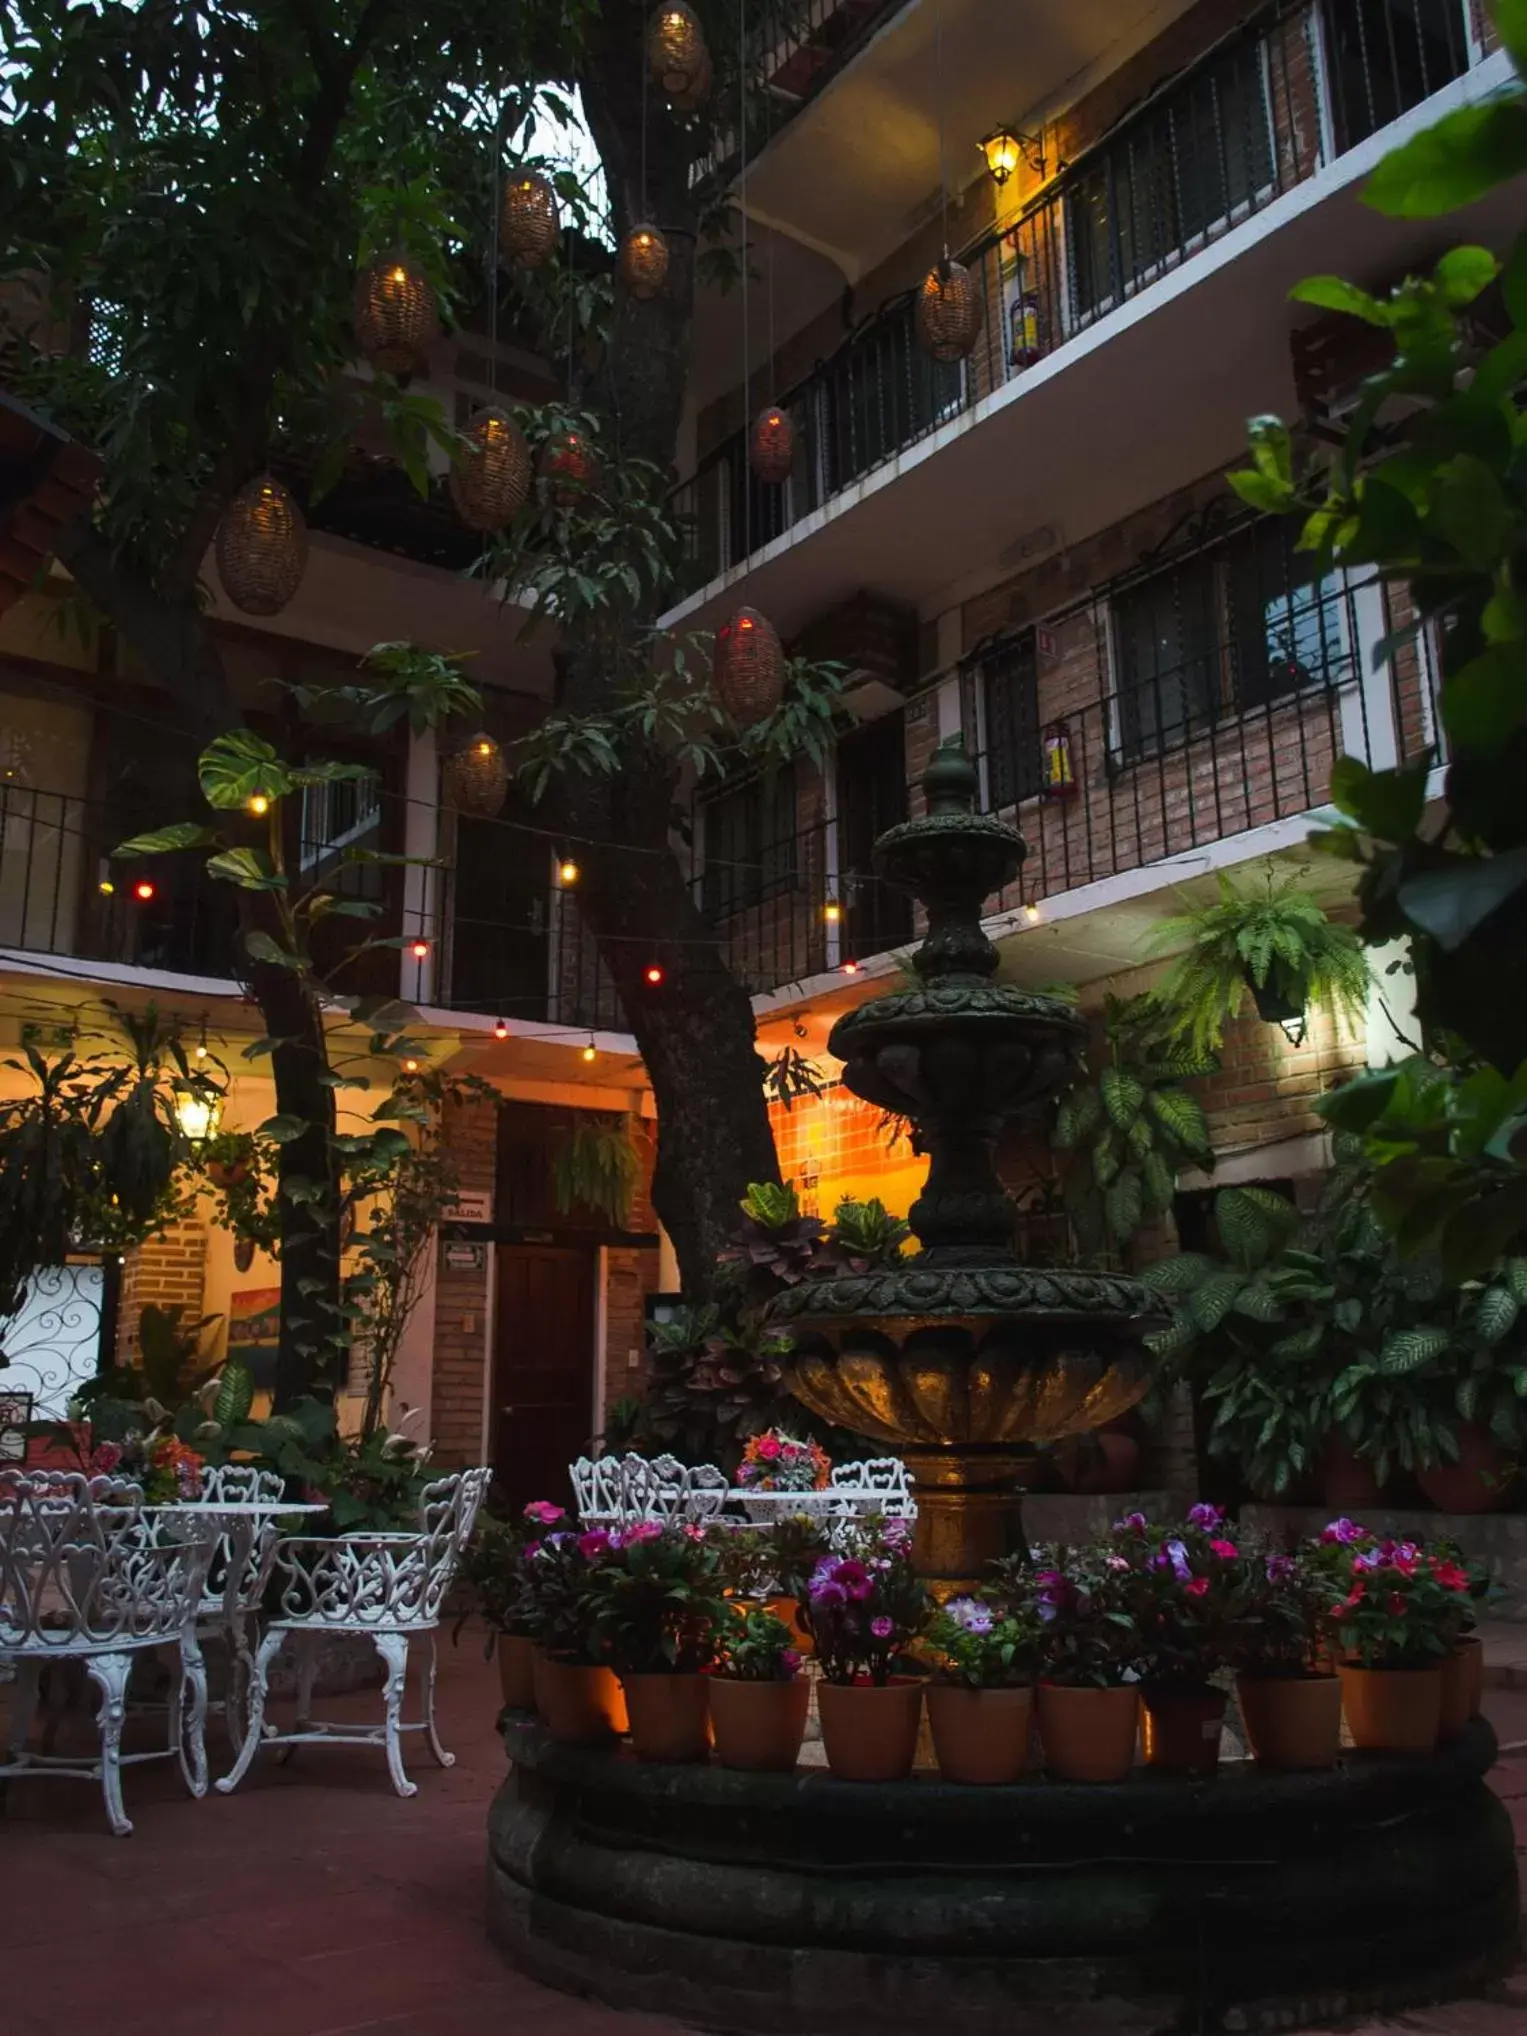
[(315, 1903)]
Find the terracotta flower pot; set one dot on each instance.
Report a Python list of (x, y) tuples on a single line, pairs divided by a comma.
[(870, 1734), (980, 1736), (516, 1671), (1392, 1710), (759, 1726), (1088, 1735), (788, 1612), (1479, 1482), (581, 1705), (1347, 1481), (669, 1716), (1181, 1728), (1292, 1721), (1463, 1675)]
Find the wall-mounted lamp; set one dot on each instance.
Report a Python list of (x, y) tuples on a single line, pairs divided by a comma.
[(198, 1108), (1006, 147), (1274, 1008)]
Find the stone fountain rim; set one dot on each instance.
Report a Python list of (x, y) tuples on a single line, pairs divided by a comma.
[(995, 1292)]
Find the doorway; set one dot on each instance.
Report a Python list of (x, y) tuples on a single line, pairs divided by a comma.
[(872, 796), (543, 1368)]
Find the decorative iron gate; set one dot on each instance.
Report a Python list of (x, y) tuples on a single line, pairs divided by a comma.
[(52, 1346)]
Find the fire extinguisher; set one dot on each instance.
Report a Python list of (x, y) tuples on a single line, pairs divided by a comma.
[(1059, 777), (1024, 347)]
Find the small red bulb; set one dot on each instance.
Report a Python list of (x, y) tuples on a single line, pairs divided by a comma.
[(653, 974), (850, 968), (420, 949), (143, 890), (501, 1030)]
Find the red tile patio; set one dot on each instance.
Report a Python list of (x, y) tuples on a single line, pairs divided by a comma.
[(316, 1903)]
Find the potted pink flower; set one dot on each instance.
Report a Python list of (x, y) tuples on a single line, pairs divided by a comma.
[(758, 1696), (1184, 1578), (866, 1606), (1398, 1609)]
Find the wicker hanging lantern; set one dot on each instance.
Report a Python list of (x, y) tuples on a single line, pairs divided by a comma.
[(643, 260), (477, 778), (568, 468), (676, 50), (262, 547), (395, 322), (490, 476), (528, 222), (771, 446), (699, 90), (749, 667), (950, 313)]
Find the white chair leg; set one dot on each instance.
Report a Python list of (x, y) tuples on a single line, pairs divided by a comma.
[(188, 1734), (393, 1648), (255, 1724), (430, 1731), (305, 1648), (109, 1673)]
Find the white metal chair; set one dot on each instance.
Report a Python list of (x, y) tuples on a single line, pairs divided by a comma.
[(388, 1586), (880, 1484), (85, 1576), (613, 1491)]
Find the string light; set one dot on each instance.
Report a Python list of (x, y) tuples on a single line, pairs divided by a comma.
[(144, 890), (1031, 913), (106, 888), (419, 950), (501, 1030), (568, 873), (653, 974), (410, 1066), (850, 968), (591, 1051), (832, 912), (259, 805)]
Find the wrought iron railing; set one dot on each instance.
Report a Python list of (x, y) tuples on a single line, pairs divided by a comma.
[(1259, 113)]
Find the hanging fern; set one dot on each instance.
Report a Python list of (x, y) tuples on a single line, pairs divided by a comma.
[(1279, 941), (595, 1166)]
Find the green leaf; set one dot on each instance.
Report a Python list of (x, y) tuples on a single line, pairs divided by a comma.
[(1463, 273), (1333, 293), (1470, 512), (1495, 1313), (1181, 1117), (165, 840), (1510, 17), (235, 1395), (1388, 804), (284, 1128), (1077, 1118), (1179, 1274), (1487, 701), (1123, 1095), (1451, 163), (260, 947), (1407, 1350), (240, 766), (1160, 1183), (1302, 1343), (1210, 1303), (248, 868), (1124, 1205), (1258, 491)]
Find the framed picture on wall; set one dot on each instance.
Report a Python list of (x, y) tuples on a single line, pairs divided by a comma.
[(254, 1333)]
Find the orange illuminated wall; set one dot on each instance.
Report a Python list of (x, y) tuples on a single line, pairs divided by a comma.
[(836, 1145)]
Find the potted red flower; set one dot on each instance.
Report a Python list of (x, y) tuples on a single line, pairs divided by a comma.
[(655, 1608), (1184, 1578), (1087, 1699), (866, 1606), (758, 1696), (1398, 1616)]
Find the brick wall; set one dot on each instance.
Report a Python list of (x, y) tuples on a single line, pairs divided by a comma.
[(462, 1300), (1265, 1089), (166, 1271)]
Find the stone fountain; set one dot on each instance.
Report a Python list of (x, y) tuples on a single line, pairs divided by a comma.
[(962, 1358)]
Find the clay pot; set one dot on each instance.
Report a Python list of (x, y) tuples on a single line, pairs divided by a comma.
[(1292, 1721), (1108, 1462), (1463, 1675), (1088, 1735), (1392, 1710), (1479, 1482), (788, 1612), (669, 1714), (516, 1671), (759, 1726), (581, 1705), (1181, 1728), (870, 1734), (1347, 1481), (980, 1736)]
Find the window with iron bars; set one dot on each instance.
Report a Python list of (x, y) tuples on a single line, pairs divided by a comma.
[(1384, 56), (1009, 678), (749, 845), (1243, 624), (1169, 180)]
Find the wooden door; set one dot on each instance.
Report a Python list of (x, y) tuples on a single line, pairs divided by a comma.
[(872, 796), (543, 1371)]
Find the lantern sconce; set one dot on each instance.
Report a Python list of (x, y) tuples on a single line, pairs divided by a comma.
[(1006, 147), (1274, 1007), (198, 1109)]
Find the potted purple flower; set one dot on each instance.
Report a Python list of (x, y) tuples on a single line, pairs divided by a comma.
[(1087, 1699), (866, 1606), (1184, 1578), (655, 1607), (575, 1687), (1290, 1700), (758, 1696), (981, 1695)]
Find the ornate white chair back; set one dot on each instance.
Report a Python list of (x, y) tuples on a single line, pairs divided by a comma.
[(392, 1580), (878, 1484)]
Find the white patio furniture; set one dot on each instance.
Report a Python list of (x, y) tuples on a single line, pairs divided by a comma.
[(387, 1586), (613, 1491), (87, 1576)]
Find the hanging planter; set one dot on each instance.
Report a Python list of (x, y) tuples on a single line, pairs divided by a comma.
[(695, 97), (749, 669), (395, 321), (643, 262), (771, 446), (528, 222), (262, 547), (490, 476), (477, 778), (568, 468), (676, 52), (950, 313)]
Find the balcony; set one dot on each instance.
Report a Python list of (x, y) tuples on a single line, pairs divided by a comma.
[(1160, 260)]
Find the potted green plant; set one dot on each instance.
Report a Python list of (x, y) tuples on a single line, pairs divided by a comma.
[(655, 1610), (758, 1696), (866, 1607), (1277, 944), (1087, 1698), (493, 1573), (1398, 1610), (1184, 1578), (576, 1690), (980, 1699), (1290, 1699)]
